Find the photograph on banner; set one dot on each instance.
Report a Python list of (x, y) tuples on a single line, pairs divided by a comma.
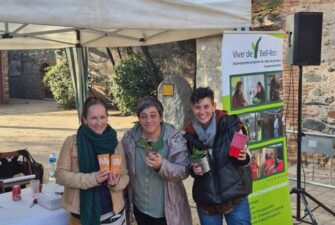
[(273, 123), (256, 161), (273, 160), (267, 161), (274, 88), (253, 123), (247, 90)]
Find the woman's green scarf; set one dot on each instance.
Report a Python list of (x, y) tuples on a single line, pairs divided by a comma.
[(89, 145)]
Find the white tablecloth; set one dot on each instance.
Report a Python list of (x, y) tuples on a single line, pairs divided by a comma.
[(19, 213)]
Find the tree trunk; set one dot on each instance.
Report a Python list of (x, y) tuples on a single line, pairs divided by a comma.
[(153, 71), (130, 50), (119, 52), (109, 53)]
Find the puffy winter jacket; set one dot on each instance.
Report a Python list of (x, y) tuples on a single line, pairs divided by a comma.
[(228, 178)]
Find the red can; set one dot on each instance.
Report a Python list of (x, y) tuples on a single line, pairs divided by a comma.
[(16, 193)]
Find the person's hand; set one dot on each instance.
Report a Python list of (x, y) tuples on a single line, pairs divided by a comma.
[(101, 176), (153, 160), (197, 169), (243, 154), (113, 179)]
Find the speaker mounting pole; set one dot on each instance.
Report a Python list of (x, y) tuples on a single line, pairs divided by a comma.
[(301, 192)]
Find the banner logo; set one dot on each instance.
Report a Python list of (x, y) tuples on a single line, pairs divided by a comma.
[(255, 47)]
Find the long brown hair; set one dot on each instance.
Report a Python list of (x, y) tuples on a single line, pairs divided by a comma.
[(237, 88)]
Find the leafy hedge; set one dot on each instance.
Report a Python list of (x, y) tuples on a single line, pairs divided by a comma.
[(58, 79), (131, 82)]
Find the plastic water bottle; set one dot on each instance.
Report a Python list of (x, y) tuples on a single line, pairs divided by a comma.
[(52, 166)]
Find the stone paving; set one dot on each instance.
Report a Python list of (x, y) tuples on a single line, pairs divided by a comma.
[(42, 127), (325, 195)]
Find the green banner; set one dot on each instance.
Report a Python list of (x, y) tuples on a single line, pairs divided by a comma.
[(252, 88)]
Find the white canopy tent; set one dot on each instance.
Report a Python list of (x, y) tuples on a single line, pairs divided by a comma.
[(42, 24)]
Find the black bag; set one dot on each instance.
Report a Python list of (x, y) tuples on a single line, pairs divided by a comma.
[(35, 167), (20, 161)]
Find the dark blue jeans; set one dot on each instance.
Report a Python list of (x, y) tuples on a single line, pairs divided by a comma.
[(239, 216)]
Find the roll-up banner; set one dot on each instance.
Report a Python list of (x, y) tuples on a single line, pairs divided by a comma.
[(252, 88)]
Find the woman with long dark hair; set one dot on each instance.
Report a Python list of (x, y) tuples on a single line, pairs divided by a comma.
[(238, 99), (260, 94)]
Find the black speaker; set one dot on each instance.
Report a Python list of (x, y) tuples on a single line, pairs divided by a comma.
[(304, 31)]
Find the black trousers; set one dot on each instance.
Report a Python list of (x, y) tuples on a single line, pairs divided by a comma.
[(144, 219)]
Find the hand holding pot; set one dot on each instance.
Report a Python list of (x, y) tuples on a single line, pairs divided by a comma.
[(197, 169), (153, 160)]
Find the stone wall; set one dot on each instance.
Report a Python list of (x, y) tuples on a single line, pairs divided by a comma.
[(26, 71), (209, 54), (318, 110)]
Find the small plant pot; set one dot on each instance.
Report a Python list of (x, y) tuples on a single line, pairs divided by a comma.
[(148, 151), (203, 163)]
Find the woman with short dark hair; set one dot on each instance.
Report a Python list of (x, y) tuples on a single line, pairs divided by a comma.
[(222, 190), (158, 162)]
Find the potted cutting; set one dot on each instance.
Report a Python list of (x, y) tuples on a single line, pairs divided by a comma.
[(199, 157)]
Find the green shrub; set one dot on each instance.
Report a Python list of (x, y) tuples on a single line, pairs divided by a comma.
[(260, 20), (273, 4), (130, 82), (58, 79)]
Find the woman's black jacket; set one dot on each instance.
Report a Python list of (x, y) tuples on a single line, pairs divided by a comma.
[(228, 178)]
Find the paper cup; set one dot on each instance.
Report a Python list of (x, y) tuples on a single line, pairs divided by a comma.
[(116, 161), (104, 160)]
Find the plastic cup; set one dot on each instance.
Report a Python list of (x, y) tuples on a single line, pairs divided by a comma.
[(35, 187)]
